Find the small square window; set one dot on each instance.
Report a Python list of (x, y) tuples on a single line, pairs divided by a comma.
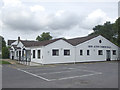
[(55, 52), (66, 52), (114, 52), (100, 52)]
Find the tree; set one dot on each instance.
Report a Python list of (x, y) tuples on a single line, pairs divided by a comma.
[(5, 53), (44, 36), (4, 49), (109, 30), (2, 41), (117, 28)]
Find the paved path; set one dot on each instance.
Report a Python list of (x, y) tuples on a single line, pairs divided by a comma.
[(14, 62)]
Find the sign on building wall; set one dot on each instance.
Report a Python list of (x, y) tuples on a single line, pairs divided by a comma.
[(97, 46)]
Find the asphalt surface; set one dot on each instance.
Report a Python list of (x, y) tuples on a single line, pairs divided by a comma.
[(87, 75)]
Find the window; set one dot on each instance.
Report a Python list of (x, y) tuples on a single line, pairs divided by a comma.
[(88, 52), (55, 52), (22, 53), (33, 53), (100, 41), (39, 53), (66, 52), (100, 52), (114, 52), (81, 52), (17, 53)]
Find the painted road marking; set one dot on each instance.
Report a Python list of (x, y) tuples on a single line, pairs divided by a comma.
[(71, 69), (75, 76), (34, 75), (41, 77)]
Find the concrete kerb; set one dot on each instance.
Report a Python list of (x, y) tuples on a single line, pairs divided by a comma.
[(33, 64)]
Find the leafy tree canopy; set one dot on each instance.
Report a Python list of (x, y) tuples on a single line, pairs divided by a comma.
[(109, 30), (2, 42), (44, 36), (5, 53)]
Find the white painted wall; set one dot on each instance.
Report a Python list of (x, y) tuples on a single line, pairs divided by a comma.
[(61, 45), (94, 51), (47, 58), (13, 53), (36, 59)]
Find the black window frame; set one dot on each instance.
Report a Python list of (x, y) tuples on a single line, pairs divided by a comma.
[(34, 51), (99, 53), (54, 52), (65, 52)]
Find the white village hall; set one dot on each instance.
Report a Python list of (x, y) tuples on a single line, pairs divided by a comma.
[(81, 49)]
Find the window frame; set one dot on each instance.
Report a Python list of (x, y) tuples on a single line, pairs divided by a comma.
[(34, 52), (99, 52), (39, 54), (114, 53), (81, 52), (55, 54), (88, 52), (66, 50)]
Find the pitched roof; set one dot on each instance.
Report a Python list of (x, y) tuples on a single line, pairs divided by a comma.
[(14, 46), (38, 43), (11, 41), (27, 43), (76, 41)]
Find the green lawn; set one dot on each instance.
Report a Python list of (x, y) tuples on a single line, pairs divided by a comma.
[(4, 62)]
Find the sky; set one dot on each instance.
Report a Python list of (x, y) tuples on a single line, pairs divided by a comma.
[(63, 18)]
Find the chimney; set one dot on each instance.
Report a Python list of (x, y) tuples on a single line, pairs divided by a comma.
[(18, 39)]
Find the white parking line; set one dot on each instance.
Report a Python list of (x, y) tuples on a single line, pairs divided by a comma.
[(75, 76), (34, 75), (38, 69), (71, 69), (38, 76)]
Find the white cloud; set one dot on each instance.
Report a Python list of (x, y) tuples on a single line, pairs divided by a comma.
[(96, 17), (12, 3), (59, 13), (36, 18), (37, 8)]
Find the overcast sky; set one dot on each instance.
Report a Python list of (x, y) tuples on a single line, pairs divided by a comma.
[(63, 18)]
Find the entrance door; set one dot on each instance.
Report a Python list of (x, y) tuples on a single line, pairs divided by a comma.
[(108, 55), (19, 55), (12, 55)]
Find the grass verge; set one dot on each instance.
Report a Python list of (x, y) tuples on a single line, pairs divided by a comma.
[(4, 62)]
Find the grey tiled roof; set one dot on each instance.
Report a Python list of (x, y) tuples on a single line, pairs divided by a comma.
[(38, 43), (74, 41), (11, 41)]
